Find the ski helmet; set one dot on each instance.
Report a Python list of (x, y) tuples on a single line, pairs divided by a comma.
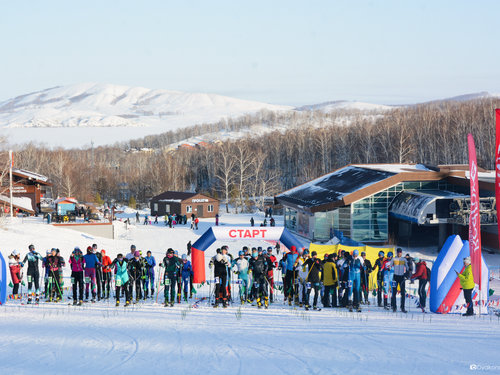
[(399, 250), (170, 251), (355, 252), (259, 249), (264, 252), (241, 252), (363, 253), (31, 247), (137, 253), (184, 257), (15, 252), (269, 248), (255, 254), (305, 252), (314, 253), (390, 254), (381, 253), (132, 247), (416, 259)]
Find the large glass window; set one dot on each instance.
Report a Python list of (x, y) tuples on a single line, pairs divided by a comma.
[(290, 219)]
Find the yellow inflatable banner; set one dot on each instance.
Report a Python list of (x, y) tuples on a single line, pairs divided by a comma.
[(322, 249)]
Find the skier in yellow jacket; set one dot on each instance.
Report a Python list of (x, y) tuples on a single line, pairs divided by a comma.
[(467, 284)]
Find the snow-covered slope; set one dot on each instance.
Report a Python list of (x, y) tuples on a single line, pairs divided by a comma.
[(467, 97), (343, 105), (87, 111)]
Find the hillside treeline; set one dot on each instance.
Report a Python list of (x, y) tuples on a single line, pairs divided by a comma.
[(241, 170)]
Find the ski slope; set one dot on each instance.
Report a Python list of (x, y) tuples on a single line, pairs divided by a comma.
[(100, 338)]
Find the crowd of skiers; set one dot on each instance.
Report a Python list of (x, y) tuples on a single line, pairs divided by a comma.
[(337, 280)]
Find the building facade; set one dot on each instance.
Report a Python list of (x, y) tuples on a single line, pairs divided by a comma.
[(184, 203), (388, 203)]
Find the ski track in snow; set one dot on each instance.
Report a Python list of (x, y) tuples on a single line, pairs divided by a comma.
[(100, 338)]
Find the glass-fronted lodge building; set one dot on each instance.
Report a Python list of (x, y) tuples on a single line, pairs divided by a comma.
[(389, 203)]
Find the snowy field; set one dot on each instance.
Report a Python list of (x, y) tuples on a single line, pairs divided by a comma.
[(102, 339)]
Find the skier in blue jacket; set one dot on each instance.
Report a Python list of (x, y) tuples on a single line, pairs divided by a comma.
[(355, 267), (186, 273), (150, 274)]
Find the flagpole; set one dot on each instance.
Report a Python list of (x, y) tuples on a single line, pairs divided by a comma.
[(10, 182)]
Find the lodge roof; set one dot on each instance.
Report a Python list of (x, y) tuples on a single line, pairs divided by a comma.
[(176, 196), (31, 176)]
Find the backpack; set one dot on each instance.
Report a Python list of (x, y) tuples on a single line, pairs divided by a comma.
[(428, 273)]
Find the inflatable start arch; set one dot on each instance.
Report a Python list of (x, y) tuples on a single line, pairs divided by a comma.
[(445, 293), (213, 234)]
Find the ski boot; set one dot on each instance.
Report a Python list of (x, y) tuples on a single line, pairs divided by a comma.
[(172, 304), (29, 301), (307, 307), (216, 304), (404, 311), (224, 304), (80, 303), (289, 301), (300, 304), (315, 307), (266, 302), (75, 302), (271, 298), (358, 309), (127, 303), (259, 304), (117, 303), (92, 300)]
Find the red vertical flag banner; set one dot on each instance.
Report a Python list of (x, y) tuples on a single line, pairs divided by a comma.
[(497, 166), (474, 218)]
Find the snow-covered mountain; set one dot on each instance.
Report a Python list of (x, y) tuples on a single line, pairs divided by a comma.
[(76, 114), (343, 105), (466, 97)]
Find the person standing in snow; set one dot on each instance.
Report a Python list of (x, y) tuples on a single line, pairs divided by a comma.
[(313, 280), (221, 264), (365, 276), (301, 270), (242, 265), (15, 271), (330, 280), (291, 275), (422, 276), (55, 264), (77, 264), (467, 283), (252, 222), (186, 273), (272, 264), (380, 280), (91, 262), (171, 264), (33, 274), (121, 279), (134, 267), (189, 248), (98, 271), (106, 274), (388, 277), (150, 274), (216, 220), (400, 267), (258, 268), (355, 266)]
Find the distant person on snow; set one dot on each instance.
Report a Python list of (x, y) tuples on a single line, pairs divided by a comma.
[(400, 267), (121, 279)]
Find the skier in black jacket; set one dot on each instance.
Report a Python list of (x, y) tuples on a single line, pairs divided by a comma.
[(221, 263), (365, 276), (258, 267), (380, 278), (134, 267), (315, 266)]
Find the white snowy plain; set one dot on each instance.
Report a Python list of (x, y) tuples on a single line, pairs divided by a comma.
[(100, 338)]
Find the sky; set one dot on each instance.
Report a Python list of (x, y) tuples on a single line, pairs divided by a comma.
[(281, 52)]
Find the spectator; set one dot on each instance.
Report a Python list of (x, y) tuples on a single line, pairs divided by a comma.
[(467, 284)]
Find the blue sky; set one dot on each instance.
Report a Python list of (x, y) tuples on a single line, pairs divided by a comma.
[(283, 52)]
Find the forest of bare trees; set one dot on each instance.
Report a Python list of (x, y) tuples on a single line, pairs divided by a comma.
[(245, 170)]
